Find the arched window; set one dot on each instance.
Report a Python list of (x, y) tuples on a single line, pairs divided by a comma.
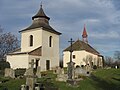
[(50, 41), (31, 40)]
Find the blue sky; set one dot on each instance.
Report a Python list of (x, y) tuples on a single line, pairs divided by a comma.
[(102, 19)]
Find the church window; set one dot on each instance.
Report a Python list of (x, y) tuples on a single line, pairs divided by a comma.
[(31, 40), (50, 41), (73, 56)]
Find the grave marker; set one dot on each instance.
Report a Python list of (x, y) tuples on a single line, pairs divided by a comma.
[(9, 72), (30, 76)]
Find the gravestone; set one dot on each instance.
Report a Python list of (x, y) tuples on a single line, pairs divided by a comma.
[(62, 71), (9, 72), (29, 72), (30, 76), (38, 73), (24, 87), (70, 73), (61, 77), (70, 70), (80, 72), (30, 81), (59, 70), (37, 88), (60, 74)]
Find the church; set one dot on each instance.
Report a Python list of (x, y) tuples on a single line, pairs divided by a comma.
[(83, 54), (39, 43)]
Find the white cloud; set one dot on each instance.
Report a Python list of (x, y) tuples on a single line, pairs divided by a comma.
[(108, 35)]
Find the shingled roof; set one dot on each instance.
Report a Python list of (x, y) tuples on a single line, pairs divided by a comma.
[(42, 21), (35, 52), (42, 25), (80, 45), (40, 14)]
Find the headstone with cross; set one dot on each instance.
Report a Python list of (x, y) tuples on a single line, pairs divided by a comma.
[(30, 76)]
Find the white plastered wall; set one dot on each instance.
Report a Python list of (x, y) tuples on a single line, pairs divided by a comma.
[(79, 55), (18, 61), (25, 39), (50, 53)]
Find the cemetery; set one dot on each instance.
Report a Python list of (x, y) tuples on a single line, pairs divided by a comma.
[(35, 65), (69, 78), (99, 79)]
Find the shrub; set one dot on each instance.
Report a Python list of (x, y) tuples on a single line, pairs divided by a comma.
[(4, 64), (20, 72)]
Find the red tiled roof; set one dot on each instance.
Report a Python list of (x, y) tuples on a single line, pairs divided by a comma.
[(84, 35)]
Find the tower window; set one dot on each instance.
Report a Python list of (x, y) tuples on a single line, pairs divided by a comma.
[(50, 41), (31, 40)]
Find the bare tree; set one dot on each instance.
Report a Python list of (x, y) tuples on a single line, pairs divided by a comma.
[(117, 55), (1, 29), (108, 61), (8, 43)]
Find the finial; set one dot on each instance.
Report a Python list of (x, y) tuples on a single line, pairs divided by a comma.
[(84, 25), (41, 4)]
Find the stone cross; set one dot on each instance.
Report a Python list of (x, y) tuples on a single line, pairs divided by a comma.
[(71, 50), (32, 63), (31, 78), (70, 64)]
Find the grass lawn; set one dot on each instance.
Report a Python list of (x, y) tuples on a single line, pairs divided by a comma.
[(11, 84), (100, 79)]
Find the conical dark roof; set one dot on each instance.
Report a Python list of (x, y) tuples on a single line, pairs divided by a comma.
[(80, 45), (40, 14), (41, 22)]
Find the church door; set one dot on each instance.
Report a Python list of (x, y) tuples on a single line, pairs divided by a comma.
[(47, 64), (37, 63)]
